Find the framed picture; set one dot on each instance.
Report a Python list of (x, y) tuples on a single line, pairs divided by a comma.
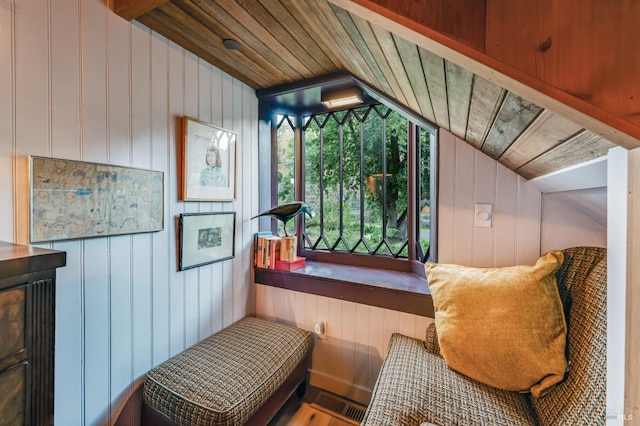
[(208, 162), (76, 199), (206, 238)]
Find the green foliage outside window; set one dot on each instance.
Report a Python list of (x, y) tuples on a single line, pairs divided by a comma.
[(356, 179)]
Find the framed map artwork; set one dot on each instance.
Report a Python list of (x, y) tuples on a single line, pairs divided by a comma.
[(76, 199)]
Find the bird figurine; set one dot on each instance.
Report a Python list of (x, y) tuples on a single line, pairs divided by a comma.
[(285, 212)]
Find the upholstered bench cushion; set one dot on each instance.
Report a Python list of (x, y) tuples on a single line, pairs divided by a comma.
[(225, 378), (416, 386)]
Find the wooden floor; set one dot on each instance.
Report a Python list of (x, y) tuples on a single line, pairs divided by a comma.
[(303, 412)]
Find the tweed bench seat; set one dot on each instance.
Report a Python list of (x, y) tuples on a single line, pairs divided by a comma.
[(227, 378)]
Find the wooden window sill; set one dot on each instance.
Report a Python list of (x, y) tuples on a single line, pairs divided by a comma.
[(399, 291)]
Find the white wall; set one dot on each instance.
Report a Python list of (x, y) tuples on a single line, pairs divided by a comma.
[(566, 224), (78, 82)]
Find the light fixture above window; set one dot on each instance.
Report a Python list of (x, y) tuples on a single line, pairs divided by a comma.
[(343, 97)]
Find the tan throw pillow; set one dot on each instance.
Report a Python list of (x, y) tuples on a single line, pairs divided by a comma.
[(502, 326)]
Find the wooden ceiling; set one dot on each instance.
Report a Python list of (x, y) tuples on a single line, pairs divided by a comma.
[(285, 41)]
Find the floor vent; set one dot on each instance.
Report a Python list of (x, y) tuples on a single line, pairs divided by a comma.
[(339, 407)]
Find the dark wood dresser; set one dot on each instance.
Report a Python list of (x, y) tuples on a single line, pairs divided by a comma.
[(27, 333)]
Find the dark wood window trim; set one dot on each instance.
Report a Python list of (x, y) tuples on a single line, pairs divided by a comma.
[(399, 291)]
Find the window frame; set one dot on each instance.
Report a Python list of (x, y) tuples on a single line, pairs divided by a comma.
[(346, 276)]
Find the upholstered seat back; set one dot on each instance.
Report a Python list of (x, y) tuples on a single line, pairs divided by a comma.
[(580, 399)]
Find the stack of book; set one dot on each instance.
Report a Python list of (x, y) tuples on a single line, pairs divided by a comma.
[(267, 253)]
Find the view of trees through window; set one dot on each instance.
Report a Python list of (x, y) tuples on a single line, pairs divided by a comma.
[(356, 170)]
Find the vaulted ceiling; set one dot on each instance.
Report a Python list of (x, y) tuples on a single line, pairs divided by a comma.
[(445, 75)]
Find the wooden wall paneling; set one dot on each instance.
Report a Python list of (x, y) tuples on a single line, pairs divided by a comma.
[(459, 88), (505, 216), (484, 192), (164, 264), (65, 80), (239, 262), (191, 282), (416, 84), (514, 116), (65, 142), (95, 379), (348, 343), (463, 204), (546, 132), (446, 191), (141, 155), (382, 45), (572, 152), (486, 99), (249, 195), (228, 122), (362, 46), (7, 85), (176, 283), (31, 107), (631, 388), (377, 350), (435, 74), (120, 255), (361, 326), (528, 233)]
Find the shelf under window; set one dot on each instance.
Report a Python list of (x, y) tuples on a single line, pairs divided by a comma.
[(399, 291)]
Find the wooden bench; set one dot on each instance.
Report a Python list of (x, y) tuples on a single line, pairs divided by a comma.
[(240, 375)]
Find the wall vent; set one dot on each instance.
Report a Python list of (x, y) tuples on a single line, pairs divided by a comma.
[(339, 407)]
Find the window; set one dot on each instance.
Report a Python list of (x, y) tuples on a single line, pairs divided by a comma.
[(366, 172)]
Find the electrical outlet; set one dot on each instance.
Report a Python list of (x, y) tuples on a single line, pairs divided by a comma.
[(321, 330)]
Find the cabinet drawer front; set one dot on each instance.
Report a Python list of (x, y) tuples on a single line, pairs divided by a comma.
[(12, 402), (12, 320)]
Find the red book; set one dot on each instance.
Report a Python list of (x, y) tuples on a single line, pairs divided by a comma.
[(290, 265)]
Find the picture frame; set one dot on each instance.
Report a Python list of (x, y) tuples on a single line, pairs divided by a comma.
[(208, 162), (72, 199), (205, 238)]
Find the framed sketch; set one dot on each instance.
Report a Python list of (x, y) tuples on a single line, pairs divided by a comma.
[(208, 162), (76, 199), (206, 238)]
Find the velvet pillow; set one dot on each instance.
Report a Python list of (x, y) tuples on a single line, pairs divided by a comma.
[(504, 327)]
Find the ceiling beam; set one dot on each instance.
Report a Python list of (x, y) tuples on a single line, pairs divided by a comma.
[(598, 120), (133, 9)]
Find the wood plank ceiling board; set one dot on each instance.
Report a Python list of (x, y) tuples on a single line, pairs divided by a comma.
[(514, 116), (286, 41), (325, 13), (201, 44), (298, 32), (459, 85), (297, 43), (381, 45), (582, 147), (433, 67), (485, 104), (415, 73), (212, 17), (241, 26), (363, 47), (546, 132), (307, 14)]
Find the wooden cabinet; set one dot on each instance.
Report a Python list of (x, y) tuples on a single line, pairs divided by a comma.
[(27, 333)]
